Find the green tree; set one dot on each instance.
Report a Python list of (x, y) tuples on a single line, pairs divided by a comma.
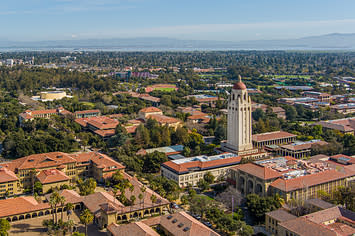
[(78, 234), (220, 133), (291, 113), (69, 206), (87, 186), (209, 177), (86, 218), (152, 162), (4, 227), (38, 187), (203, 185)]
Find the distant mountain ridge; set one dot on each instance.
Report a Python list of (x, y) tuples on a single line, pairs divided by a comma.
[(329, 41)]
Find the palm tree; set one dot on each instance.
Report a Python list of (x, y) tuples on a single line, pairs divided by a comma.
[(53, 204), (69, 206), (153, 198), (33, 173), (279, 200), (61, 201), (132, 199), (86, 218), (54, 200), (143, 189), (140, 197), (68, 226)]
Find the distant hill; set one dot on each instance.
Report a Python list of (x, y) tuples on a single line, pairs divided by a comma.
[(324, 42)]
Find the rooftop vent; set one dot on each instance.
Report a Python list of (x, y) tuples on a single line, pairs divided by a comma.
[(174, 221), (30, 160), (169, 217), (180, 225), (186, 229)]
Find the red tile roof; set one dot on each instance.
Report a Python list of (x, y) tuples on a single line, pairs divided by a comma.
[(272, 136), (133, 229), (51, 176), (180, 168), (131, 129), (164, 119), (105, 132), (7, 175), (38, 161), (329, 214), (102, 122), (183, 224), (308, 180), (20, 205), (303, 227), (258, 171), (150, 109), (101, 160), (239, 86)]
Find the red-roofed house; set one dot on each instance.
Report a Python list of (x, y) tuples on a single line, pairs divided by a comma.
[(177, 224), (290, 178), (272, 138), (8, 182), (52, 178), (157, 114), (101, 125), (54, 169), (30, 115)]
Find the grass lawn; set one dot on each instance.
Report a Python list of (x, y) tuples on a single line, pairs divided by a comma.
[(205, 196), (89, 104), (165, 89), (289, 76)]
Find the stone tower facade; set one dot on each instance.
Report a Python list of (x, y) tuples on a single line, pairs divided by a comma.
[(239, 127), (239, 131)]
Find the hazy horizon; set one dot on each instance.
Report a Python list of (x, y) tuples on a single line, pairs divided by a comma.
[(225, 20)]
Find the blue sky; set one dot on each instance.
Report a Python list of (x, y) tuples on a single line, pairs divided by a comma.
[(230, 20)]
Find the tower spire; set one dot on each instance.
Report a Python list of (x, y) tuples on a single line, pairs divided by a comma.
[(240, 78)]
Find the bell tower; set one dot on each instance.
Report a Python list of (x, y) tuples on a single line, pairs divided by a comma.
[(239, 118), (239, 126)]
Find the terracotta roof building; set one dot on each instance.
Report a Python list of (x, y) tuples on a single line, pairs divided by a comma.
[(190, 170), (335, 221), (101, 125), (55, 169), (346, 126), (107, 209), (274, 218), (132, 229), (299, 149), (177, 224), (8, 182), (288, 177), (20, 208), (30, 115), (272, 138), (52, 178), (157, 114)]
